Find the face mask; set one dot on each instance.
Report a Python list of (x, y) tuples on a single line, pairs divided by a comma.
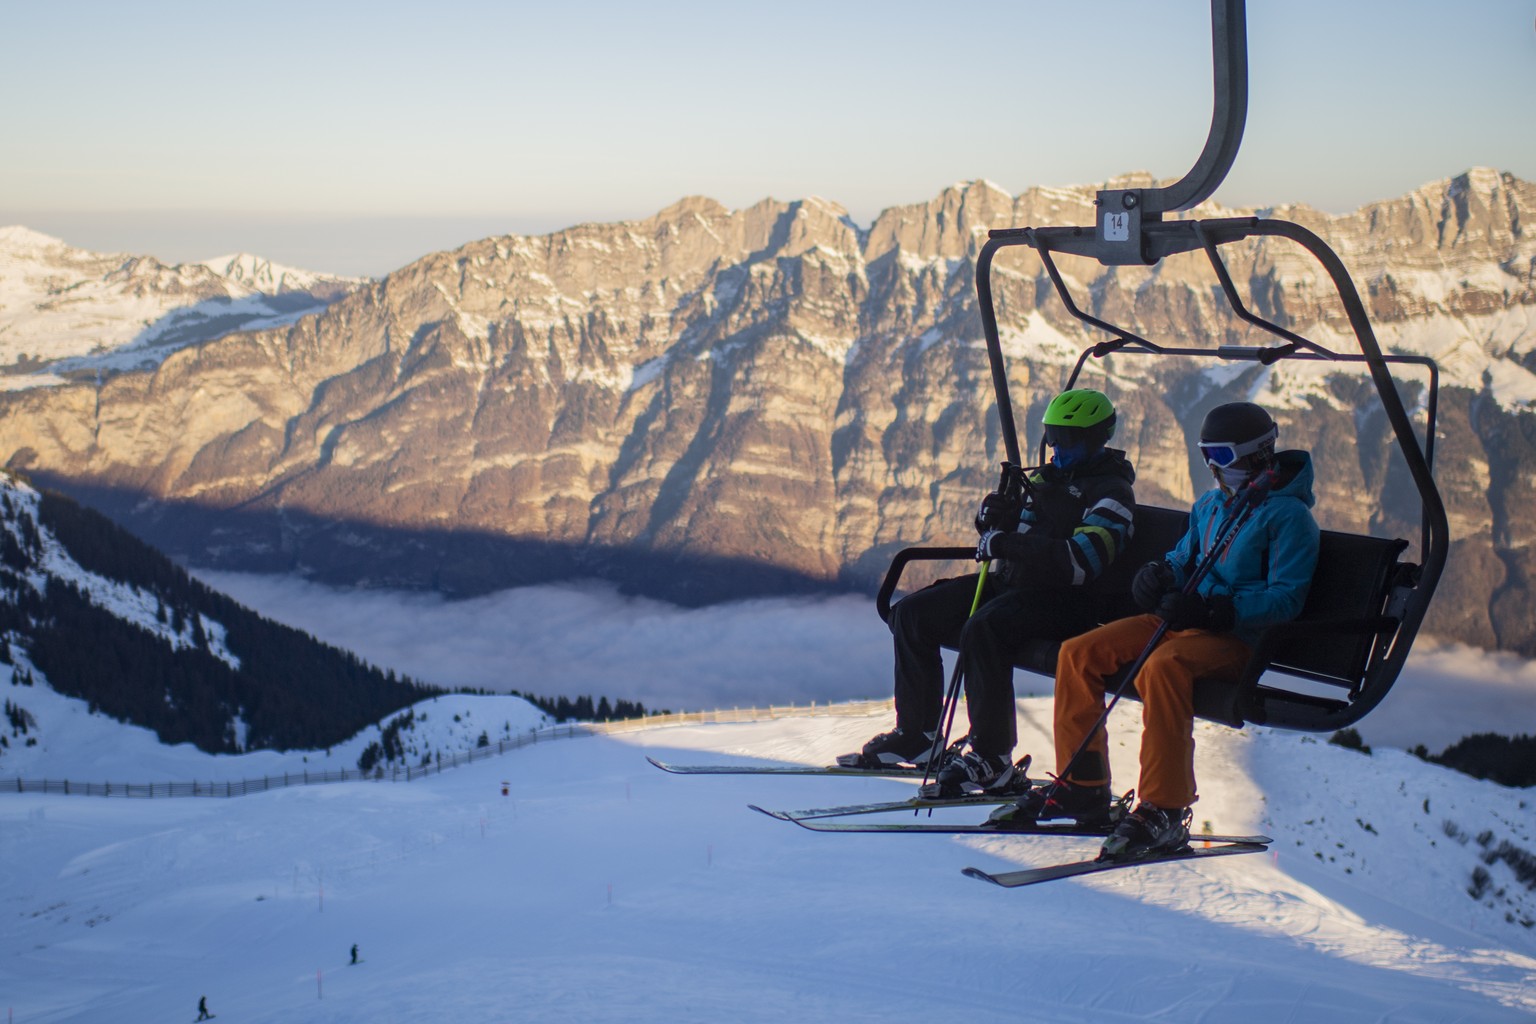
[(1229, 477), (1070, 456)]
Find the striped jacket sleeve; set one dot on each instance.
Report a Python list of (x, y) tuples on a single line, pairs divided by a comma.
[(1105, 531), (1098, 537)]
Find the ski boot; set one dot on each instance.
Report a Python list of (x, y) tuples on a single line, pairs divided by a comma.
[(1148, 830), (889, 749)]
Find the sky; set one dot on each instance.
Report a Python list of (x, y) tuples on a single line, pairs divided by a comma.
[(354, 137)]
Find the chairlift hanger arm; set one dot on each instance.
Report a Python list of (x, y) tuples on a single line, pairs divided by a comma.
[(1229, 114), (1126, 219), (1125, 215)]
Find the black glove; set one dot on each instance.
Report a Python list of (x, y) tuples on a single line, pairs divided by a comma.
[(1150, 583), (993, 544), (1196, 611), (998, 512), (1017, 550)]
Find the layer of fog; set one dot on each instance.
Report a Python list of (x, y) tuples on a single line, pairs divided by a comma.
[(587, 639)]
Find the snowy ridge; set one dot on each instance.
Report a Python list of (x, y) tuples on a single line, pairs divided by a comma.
[(67, 310), (65, 741), (263, 275), (499, 890), (89, 611), (122, 600)]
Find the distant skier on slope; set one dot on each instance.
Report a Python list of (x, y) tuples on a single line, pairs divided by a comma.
[(1048, 544), (1262, 577), (202, 1009)]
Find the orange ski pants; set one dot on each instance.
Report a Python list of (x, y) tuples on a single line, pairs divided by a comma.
[(1166, 685)]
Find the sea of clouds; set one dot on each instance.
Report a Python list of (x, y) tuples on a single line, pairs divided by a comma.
[(588, 639)]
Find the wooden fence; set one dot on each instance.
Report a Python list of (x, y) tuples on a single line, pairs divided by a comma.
[(402, 773)]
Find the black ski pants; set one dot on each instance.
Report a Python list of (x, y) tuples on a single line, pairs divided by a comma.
[(935, 617)]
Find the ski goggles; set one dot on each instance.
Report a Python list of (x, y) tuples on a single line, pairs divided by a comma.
[(1065, 437), (1224, 453)]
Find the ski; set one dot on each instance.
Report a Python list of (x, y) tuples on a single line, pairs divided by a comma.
[(923, 828), (916, 803), (786, 769), (818, 825), (1052, 872)]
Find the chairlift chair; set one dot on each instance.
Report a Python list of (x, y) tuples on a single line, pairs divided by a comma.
[(1366, 603)]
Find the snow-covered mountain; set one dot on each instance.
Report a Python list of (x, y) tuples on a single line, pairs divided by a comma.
[(569, 880), (65, 310), (91, 612), (711, 403)]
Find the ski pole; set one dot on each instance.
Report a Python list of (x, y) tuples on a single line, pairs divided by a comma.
[(1246, 501), (952, 695), (1015, 484)]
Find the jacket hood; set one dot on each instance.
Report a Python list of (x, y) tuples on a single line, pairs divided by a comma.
[(1295, 471)]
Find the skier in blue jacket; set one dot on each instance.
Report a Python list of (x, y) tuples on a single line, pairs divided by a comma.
[(1260, 578)]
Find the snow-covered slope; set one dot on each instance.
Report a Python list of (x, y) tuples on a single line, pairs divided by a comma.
[(64, 309), (53, 565), (598, 889), (90, 611), (64, 741)]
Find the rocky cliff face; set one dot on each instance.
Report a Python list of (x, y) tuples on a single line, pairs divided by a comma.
[(714, 403)]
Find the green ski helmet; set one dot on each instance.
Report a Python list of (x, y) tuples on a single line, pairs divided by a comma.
[(1077, 424)]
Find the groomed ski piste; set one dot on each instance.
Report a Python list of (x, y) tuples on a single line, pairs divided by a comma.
[(599, 888)]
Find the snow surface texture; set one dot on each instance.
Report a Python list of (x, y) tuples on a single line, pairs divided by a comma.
[(600, 889)]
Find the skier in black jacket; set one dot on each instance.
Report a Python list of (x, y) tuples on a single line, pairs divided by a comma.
[(1047, 549)]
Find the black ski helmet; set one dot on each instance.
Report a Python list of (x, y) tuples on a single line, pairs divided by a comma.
[(1236, 429)]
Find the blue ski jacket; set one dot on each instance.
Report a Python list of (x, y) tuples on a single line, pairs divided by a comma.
[(1267, 567)]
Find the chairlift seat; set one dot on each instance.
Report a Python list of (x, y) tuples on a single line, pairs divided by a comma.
[(1344, 628)]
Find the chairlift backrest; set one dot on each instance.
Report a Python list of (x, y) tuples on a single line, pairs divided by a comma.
[(1352, 585)]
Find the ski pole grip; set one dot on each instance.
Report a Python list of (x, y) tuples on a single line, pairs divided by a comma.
[(1011, 482)]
